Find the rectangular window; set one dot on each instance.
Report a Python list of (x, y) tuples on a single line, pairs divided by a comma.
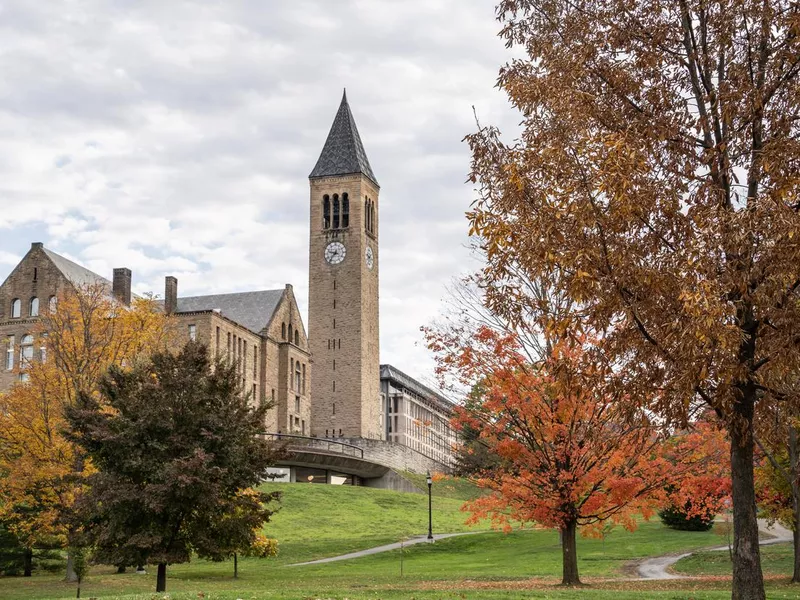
[(334, 364), (304, 379), (10, 353), (303, 427), (244, 356), (217, 347), (273, 395), (255, 361), (334, 323), (229, 344), (334, 386), (255, 393), (297, 404), (193, 332)]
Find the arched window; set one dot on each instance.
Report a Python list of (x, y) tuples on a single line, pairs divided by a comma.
[(290, 332), (336, 211), (26, 351), (16, 308), (345, 211), (52, 304), (366, 213), (296, 337), (283, 331), (34, 312), (326, 212), (372, 217), (297, 376)]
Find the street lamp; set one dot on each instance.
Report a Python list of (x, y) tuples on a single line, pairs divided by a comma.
[(430, 513)]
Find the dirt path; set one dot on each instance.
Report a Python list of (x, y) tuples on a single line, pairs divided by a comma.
[(657, 568)]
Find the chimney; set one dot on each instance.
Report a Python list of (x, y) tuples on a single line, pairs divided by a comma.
[(121, 286), (37, 246), (170, 294)]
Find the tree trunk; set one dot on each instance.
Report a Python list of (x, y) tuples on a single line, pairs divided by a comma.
[(235, 566), (748, 581), (794, 472), (79, 589), (70, 577), (569, 552), (161, 578), (27, 558)]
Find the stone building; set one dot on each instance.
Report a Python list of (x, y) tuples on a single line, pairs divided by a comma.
[(261, 330), (343, 287)]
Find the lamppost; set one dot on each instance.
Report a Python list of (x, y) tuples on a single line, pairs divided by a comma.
[(430, 513)]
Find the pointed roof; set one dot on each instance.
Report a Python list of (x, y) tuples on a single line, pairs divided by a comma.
[(343, 153)]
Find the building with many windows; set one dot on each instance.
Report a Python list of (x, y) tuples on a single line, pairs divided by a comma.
[(262, 330)]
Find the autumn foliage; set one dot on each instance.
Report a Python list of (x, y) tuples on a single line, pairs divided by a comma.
[(567, 454), (74, 345), (656, 171)]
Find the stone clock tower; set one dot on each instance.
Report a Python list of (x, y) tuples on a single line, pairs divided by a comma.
[(343, 287)]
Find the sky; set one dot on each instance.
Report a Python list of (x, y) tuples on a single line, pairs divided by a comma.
[(176, 138)]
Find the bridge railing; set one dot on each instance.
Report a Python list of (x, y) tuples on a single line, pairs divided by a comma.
[(328, 445)]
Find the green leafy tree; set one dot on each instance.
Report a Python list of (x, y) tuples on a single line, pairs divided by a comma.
[(176, 445)]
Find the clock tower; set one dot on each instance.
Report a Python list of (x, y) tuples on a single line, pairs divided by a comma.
[(343, 287)]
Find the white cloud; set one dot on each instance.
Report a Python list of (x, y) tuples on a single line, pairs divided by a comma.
[(177, 137)]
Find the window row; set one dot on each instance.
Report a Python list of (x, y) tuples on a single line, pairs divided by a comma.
[(334, 214), (33, 307), (292, 334), (25, 353), (236, 349), (369, 215)]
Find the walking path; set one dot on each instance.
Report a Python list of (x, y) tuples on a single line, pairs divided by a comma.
[(415, 540), (658, 567)]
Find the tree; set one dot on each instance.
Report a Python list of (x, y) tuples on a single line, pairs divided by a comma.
[(657, 172), (568, 458), (176, 446), (74, 344), (81, 566), (778, 475)]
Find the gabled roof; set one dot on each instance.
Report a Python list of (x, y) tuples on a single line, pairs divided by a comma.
[(252, 310), (343, 153), (76, 274)]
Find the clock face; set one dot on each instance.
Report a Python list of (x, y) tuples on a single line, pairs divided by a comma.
[(335, 253), (369, 258)]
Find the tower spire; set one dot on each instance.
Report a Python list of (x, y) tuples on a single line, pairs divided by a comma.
[(343, 152)]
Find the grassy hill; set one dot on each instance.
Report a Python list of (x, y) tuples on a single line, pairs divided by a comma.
[(317, 521), (321, 520)]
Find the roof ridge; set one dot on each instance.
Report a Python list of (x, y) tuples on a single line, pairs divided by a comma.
[(343, 152)]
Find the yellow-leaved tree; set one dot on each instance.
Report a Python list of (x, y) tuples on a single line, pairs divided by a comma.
[(82, 335)]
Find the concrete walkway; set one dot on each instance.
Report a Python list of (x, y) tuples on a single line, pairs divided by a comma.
[(415, 540), (658, 567)]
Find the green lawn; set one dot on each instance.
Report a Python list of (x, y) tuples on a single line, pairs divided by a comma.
[(776, 560), (319, 520)]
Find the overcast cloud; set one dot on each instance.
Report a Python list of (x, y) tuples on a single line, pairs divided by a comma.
[(176, 138)]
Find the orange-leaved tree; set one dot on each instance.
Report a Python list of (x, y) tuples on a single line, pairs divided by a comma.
[(568, 456), (657, 170), (69, 349)]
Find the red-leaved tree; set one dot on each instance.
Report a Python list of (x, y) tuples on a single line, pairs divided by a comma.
[(568, 456)]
